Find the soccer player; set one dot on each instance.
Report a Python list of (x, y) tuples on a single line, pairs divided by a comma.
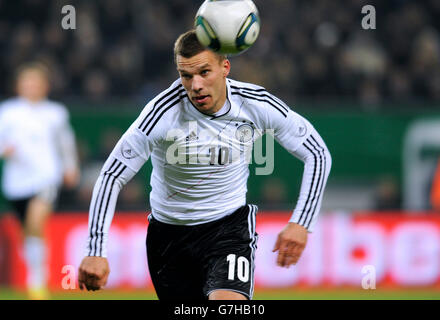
[(201, 237), (38, 147)]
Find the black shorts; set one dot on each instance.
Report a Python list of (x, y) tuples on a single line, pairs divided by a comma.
[(20, 207), (189, 262)]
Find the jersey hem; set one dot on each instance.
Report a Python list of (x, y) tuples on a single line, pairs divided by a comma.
[(180, 222)]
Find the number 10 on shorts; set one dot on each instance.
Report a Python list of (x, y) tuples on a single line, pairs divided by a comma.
[(242, 267)]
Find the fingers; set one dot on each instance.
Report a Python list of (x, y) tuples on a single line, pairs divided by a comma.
[(277, 244), (290, 243), (93, 273), (289, 253), (90, 281), (293, 256), (283, 253)]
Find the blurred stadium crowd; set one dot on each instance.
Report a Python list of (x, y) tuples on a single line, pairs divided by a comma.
[(307, 49)]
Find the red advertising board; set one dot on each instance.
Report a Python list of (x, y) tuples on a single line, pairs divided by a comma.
[(398, 249)]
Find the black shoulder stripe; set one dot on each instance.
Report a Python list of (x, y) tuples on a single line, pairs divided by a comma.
[(264, 93), (152, 114), (155, 110), (167, 94), (180, 98), (268, 95), (262, 100), (247, 88)]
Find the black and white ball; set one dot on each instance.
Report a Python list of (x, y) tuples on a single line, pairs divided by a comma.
[(227, 26)]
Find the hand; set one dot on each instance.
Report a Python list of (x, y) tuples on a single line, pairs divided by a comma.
[(290, 243), (71, 178), (93, 273)]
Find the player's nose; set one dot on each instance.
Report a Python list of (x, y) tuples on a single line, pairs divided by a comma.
[(197, 83)]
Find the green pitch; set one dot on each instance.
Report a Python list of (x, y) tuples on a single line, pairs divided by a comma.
[(291, 294)]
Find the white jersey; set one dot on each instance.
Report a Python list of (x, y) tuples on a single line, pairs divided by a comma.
[(200, 161), (43, 144)]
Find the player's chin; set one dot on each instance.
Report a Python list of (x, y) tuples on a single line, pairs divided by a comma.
[(203, 107)]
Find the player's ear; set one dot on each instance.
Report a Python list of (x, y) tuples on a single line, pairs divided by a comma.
[(226, 67)]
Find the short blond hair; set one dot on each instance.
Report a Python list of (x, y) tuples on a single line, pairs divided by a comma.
[(187, 45), (39, 67)]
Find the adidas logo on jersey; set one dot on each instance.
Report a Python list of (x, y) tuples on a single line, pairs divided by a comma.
[(192, 136), (127, 151)]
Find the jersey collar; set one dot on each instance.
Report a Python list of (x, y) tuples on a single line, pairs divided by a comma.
[(221, 113)]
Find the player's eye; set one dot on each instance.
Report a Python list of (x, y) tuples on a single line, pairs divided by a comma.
[(204, 72), (185, 76)]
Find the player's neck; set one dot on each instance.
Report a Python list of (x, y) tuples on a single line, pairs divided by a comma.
[(33, 100), (220, 103), (223, 110)]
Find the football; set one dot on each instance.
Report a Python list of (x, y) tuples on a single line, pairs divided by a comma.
[(227, 26)]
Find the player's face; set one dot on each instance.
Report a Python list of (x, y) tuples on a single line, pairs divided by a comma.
[(204, 79), (32, 85)]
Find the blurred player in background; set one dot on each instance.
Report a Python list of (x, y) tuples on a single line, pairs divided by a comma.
[(201, 237), (38, 146)]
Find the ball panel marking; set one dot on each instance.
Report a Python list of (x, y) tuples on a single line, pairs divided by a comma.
[(227, 26)]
